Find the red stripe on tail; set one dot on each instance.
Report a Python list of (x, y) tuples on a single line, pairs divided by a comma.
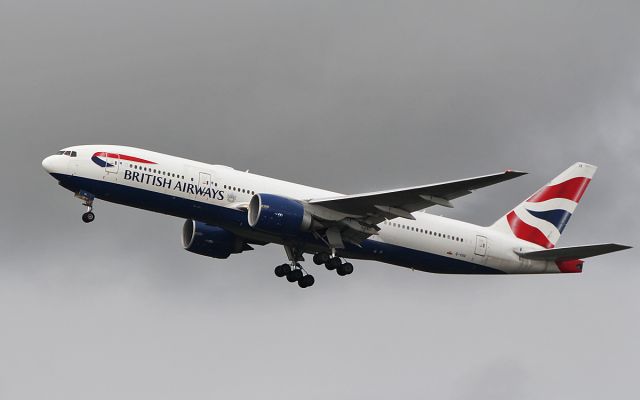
[(572, 189), (524, 231)]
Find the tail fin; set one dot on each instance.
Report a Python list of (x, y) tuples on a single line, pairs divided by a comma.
[(542, 217)]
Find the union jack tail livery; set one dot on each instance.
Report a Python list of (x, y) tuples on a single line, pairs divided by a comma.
[(542, 217)]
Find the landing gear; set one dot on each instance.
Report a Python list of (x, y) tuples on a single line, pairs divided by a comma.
[(333, 263), (282, 270), (294, 275), (87, 199), (88, 217), (294, 271), (321, 258), (341, 268), (306, 281), (345, 269)]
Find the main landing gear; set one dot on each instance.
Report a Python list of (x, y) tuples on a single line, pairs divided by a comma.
[(295, 273), (87, 199), (333, 263)]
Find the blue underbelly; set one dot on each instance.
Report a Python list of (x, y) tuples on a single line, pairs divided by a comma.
[(236, 221)]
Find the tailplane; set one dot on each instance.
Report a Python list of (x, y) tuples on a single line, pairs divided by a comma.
[(560, 254), (542, 217)]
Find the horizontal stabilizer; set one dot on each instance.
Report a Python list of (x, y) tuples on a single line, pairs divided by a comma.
[(572, 253)]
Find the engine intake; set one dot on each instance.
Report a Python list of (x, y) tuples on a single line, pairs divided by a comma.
[(277, 214), (211, 241)]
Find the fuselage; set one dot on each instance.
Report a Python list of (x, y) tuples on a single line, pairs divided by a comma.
[(218, 195)]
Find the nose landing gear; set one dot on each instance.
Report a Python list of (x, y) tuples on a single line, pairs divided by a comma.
[(87, 199)]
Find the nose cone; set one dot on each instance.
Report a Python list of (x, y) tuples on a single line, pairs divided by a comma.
[(49, 164)]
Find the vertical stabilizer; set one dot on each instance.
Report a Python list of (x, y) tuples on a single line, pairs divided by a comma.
[(542, 217)]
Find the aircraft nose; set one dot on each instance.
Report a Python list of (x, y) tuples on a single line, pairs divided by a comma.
[(48, 164)]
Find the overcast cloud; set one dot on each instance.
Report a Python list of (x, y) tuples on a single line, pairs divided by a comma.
[(351, 96)]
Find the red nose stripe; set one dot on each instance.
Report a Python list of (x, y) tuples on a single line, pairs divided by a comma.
[(123, 157), (572, 189), (524, 231)]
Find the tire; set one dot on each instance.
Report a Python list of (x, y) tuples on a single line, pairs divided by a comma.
[(340, 270), (333, 263), (281, 270), (347, 268), (294, 275), (320, 258), (306, 281), (88, 217)]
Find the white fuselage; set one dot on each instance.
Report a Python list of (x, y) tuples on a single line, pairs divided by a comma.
[(202, 185)]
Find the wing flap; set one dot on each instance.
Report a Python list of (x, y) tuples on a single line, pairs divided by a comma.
[(572, 253)]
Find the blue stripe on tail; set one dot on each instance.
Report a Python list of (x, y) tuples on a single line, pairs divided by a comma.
[(559, 218)]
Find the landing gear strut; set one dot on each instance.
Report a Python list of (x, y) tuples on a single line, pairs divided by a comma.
[(87, 198)]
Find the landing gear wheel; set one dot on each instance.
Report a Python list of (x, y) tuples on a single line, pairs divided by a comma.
[(294, 275), (306, 281), (320, 258), (333, 263), (282, 270), (345, 269), (88, 217)]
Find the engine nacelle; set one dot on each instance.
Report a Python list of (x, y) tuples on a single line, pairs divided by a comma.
[(277, 214), (211, 241)]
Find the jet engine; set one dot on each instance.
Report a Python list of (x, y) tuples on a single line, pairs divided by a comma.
[(211, 241), (280, 215)]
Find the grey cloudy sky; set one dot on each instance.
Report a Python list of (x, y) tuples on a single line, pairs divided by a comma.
[(351, 96)]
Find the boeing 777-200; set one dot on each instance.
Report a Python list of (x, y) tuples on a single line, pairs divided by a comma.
[(229, 211)]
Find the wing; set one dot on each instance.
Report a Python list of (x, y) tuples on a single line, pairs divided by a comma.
[(353, 218), (402, 202)]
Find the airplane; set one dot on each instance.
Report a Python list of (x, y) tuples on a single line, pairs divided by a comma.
[(229, 211)]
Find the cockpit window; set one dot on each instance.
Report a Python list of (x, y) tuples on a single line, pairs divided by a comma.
[(67, 153)]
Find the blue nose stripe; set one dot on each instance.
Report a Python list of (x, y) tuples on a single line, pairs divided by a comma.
[(559, 218), (101, 162)]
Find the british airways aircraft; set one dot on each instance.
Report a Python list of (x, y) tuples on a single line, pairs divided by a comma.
[(229, 211)]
